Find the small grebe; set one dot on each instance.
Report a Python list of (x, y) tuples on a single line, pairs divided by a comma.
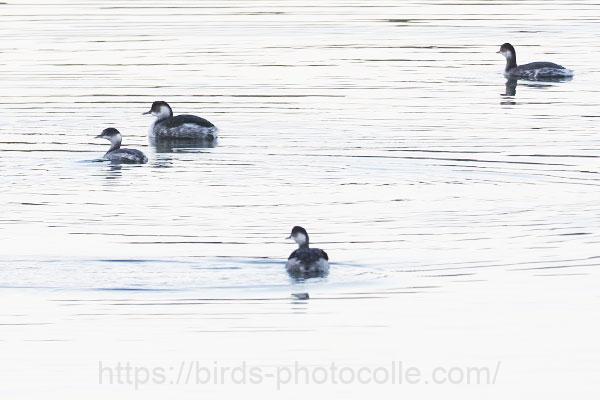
[(306, 261), (166, 126), (535, 71), (116, 153)]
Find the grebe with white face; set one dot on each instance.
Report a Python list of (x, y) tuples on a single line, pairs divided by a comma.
[(540, 70), (167, 126), (306, 262), (116, 154)]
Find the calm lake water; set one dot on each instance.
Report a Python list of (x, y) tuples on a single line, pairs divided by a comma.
[(462, 222)]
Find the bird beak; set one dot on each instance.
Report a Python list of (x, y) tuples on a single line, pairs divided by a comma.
[(289, 237), (498, 52), (99, 136), (146, 113)]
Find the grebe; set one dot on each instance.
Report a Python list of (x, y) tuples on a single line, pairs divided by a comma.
[(166, 126), (535, 71), (116, 154), (306, 261)]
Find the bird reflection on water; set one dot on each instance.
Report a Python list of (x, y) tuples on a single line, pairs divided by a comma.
[(179, 145), (512, 83)]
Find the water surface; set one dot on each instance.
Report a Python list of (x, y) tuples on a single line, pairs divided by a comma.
[(462, 221)]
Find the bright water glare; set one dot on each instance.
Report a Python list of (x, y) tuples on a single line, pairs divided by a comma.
[(460, 212)]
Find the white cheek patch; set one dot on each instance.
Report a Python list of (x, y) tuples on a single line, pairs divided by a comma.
[(507, 54), (116, 139), (164, 112), (300, 238)]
